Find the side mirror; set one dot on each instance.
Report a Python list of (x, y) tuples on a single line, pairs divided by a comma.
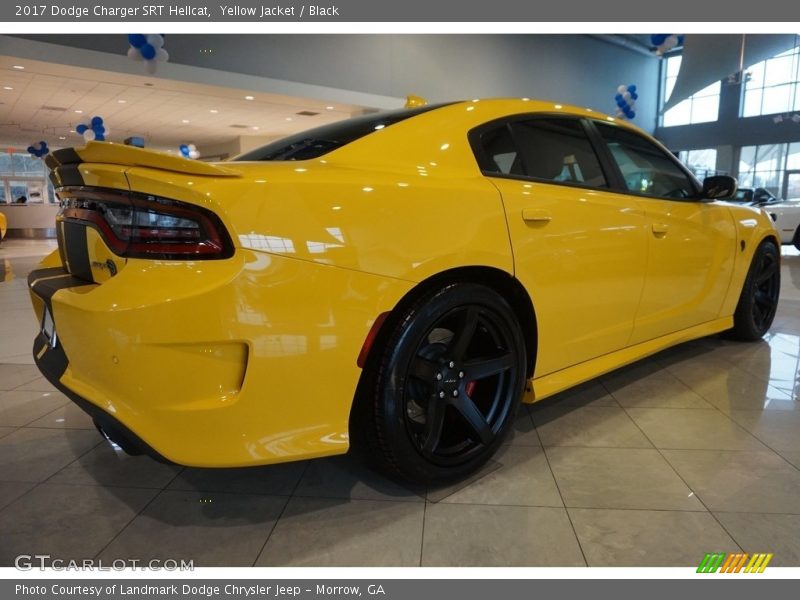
[(719, 187)]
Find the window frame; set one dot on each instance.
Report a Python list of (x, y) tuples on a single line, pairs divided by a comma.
[(613, 174), (476, 134)]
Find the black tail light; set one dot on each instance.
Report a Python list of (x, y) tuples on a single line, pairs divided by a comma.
[(143, 226)]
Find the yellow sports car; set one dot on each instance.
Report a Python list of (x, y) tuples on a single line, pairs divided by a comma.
[(3, 225), (402, 280)]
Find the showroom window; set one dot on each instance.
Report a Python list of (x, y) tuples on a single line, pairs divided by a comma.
[(556, 150), (775, 167), (646, 168), (24, 177), (771, 86), (702, 162), (701, 107)]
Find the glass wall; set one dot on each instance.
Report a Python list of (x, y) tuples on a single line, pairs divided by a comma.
[(771, 86), (702, 162), (701, 107), (766, 166), (24, 179)]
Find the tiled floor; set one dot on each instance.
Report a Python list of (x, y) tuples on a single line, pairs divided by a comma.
[(694, 450)]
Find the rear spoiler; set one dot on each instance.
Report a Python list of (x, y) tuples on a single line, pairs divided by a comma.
[(129, 156)]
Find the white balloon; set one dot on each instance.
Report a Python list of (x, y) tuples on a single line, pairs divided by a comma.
[(134, 54), (107, 131), (88, 135), (192, 147), (626, 96), (622, 89), (670, 42), (150, 66), (156, 40), (194, 154), (162, 55)]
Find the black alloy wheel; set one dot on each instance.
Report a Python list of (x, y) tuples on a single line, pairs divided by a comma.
[(450, 380), (758, 302)]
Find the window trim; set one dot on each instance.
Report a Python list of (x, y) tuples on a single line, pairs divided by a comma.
[(609, 167), (475, 136)]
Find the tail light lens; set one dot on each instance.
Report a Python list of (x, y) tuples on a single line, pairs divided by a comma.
[(141, 226)]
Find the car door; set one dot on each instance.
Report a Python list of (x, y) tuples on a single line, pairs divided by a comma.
[(579, 247), (691, 243)]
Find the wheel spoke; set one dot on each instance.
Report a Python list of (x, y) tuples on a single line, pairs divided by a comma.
[(478, 369), (434, 422), (474, 418), (464, 336), (767, 271), (423, 369)]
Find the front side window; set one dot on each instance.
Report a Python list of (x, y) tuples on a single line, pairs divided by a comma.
[(645, 167), (554, 150)]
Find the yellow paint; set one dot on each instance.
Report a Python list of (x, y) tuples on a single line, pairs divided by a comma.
[(252, 360), (3, 226)]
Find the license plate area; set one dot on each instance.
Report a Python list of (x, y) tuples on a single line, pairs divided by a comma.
[(49, 328)]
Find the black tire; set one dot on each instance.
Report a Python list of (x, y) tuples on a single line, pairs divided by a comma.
[(758, 302), (446, 385), (796, 240)]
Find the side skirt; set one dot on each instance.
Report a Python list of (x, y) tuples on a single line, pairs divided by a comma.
[(547, 385)]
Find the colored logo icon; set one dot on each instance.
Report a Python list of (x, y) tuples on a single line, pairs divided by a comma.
[(741, 562)]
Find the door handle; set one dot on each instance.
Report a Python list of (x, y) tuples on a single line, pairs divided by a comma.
[(535, 215), (660, 229)]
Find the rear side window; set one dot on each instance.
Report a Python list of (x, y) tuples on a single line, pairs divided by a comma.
[(321, 140), (554, 150), (645, 167)]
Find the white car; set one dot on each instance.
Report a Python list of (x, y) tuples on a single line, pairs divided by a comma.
[(785, 213)]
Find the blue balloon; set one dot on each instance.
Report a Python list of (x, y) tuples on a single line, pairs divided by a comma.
[(680, 40), (148, 52), (631, 114), (99, 130), (621, 102), (634, 96), (184, 148), (97, 121), (99, 137), (632, 89), (31, 149), (137, 40), (618, 97), (658, 38), (81, 128)]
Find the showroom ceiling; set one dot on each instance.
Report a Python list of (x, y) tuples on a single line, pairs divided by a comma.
[(46, 101)]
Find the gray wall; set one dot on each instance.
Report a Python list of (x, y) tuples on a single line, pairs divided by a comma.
[(570, 68)]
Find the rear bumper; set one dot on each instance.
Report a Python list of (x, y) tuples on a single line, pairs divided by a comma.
[(239, 362)]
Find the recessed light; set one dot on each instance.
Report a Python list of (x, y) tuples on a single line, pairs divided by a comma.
[(213, 111), (121, 101), (249, 98), (7, 87), (288, 118), (18, 67), (328, 108), (62, 137), (254, 128), (185, 121), (80, 112), (72, 131)]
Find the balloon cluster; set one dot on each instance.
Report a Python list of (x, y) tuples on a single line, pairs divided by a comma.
[(95, 130), (147, 48), (626, 99), (39, 149), (664, 42), (189, 151)]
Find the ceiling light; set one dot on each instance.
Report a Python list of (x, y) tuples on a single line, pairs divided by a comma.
[(249, 98), (80, 112), (255, 128), (62, 137), (185, 121), (288, 118), (328, 108), (213, 111), (121, 101), (7, 87), (18, 67)]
